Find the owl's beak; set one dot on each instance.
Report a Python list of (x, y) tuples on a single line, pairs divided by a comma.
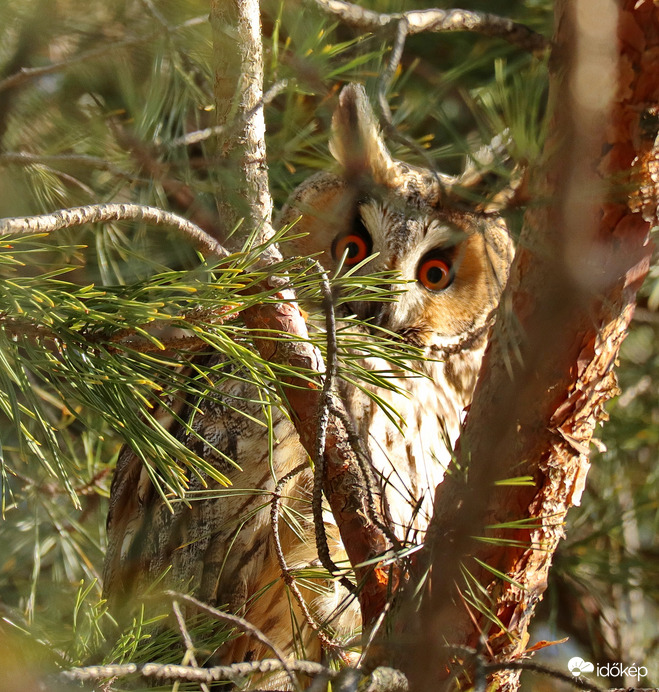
[(374, 312)]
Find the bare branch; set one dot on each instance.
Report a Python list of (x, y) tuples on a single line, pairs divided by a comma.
[(533, 667), (202, 135), (180, 195), (103, 213), (324, 404), (243, 625), (327, 642), (157, 14), (189, 647), (437, 20), (525, 664), (29, 73), (25, 158), (343, 482), (191, 674), (386, 118)]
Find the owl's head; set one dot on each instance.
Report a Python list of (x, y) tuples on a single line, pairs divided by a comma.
[(452, 263)]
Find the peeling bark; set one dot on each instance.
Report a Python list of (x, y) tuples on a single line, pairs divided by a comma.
[(548, 371)]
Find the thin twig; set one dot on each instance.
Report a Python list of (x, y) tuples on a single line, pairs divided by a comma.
[(28, 73), (329, 406), (578, 682), (324, 405), (384, 82), (525, 664), (181, 196), (241, 624), (158, 15), (202, 135), (189, 647), (388, 74), (327, 642), (373, 633), (26, 158), (102, 213), (436, 20)]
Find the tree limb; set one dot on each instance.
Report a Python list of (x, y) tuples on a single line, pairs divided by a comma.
[(103, 213), (436, 20), (239, 86)]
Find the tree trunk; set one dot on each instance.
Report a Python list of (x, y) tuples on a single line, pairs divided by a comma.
[(548, 371)]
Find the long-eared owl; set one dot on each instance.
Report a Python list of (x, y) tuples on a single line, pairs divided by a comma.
[(372, 214)]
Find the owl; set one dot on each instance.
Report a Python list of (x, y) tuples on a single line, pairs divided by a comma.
[(447, 267)]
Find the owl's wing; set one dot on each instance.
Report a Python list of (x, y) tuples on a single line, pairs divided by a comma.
[(219, 544)]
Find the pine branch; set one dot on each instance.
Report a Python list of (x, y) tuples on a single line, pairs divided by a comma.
[(436, 20), (238, 62)]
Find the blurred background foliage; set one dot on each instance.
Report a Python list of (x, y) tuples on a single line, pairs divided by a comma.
[(95, 101)]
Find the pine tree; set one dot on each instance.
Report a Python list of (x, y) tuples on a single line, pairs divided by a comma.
[(122, 106)]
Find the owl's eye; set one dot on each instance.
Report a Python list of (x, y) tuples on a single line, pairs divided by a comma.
[(434, 272), (356, 245)]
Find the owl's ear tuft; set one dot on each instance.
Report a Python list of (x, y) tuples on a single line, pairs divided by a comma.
[(356, 141)]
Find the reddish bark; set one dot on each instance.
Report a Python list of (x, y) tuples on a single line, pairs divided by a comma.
[(549, 368), (344, 486)]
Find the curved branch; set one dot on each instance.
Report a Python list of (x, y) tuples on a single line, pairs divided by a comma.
[(437, 20), (102, 213)]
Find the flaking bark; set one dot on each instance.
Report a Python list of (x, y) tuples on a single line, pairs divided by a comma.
[(548, 371)]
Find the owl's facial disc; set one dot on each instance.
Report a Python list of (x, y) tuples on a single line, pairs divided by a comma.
[(398, 242)]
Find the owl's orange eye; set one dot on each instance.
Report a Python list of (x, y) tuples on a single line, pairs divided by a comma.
[(435, 273), (354, 246)]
